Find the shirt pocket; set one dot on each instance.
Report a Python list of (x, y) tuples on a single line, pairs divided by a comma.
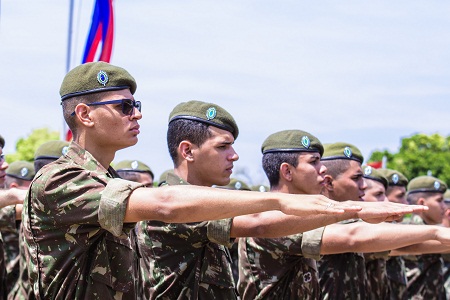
[(114, 263)]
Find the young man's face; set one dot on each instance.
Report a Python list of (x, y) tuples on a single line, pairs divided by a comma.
[(213, 160), (436, 209), (375, 191), (308, 176), (397, 194), (350, 184), (114, 129)]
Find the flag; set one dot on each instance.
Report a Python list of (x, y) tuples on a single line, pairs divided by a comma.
[(376, 164), (102, 30)]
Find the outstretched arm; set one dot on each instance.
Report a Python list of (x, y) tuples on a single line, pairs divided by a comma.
[(12, 196), (180, 204), (427, 247), (364, 237), (276, 224)]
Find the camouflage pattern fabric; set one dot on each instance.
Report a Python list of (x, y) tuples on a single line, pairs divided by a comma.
[(280, 268), (186, 261), (377, 282), (426, 279), (10, 233), (396, 274), (72, 254), (343, 276), (446, 258), (2, 270), (22, 289)]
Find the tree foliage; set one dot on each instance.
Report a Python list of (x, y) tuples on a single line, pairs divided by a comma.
[(420, 154), (26, 147)]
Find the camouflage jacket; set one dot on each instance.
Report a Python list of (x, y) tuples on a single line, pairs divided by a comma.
[(396, 275), (78, 245), (343, 276), (280, 268), (426, 279), (3, 290), (186, 261)]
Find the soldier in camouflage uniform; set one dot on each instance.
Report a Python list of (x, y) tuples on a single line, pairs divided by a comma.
[(395, 265), (283, 268), (78, 216), (428, 279), (377, 281), (18, 175)]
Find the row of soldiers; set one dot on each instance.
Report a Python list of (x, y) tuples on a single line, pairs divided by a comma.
[(87, 233)]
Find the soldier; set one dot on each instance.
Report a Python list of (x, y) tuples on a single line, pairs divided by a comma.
[(395, 265), (200, 139), (427, 280), (18, 175), (3, 167), (284, 268), (163, 177), (78, 216), (377, 281), (3, 163), (135, 170)]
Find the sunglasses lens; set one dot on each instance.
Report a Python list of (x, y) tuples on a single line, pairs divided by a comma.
[(127, 107)]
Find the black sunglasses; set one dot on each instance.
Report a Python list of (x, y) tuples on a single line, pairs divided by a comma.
[(128, 105)]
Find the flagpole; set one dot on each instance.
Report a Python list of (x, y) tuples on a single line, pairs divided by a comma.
[(68, 59)]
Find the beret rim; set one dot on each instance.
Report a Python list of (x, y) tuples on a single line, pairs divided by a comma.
[(93, 91), (276, 150), (425, 190), (193, 118), (19, 177), (341, 157)]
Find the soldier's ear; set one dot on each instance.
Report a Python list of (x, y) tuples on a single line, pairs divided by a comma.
[(421, 201), (285, 172), (328, 182), (185, 150)]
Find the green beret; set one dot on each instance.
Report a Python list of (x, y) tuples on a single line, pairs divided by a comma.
[(134, 166), (292, 141), (51, 150), (21, 169), (2, 142), (394, 177), (342, 151), (163, 177), (95, 77), (426, 184), (447, 196), (208, 113), (260, 188), (375, 174), (236, 184)]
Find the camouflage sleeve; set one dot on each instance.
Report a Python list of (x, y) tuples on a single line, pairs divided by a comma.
[(219, 232), (8, 218), (311, 243), (113, 203)]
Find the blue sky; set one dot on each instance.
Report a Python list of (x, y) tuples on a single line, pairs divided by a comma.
[(368, 73)]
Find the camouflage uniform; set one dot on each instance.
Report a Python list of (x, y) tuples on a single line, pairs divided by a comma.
[(186, 261), (377, 282), (3, 289), (280, 268), (343, 276), (396, 275), (10, 233), (427, 274), (446, 258), (79, 247)]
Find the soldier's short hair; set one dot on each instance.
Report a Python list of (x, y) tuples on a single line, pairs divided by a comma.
[(183, 129), (336, 167), (271, 163)]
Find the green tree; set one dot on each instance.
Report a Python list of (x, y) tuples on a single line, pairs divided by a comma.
[(418, 155), (26, 147)]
